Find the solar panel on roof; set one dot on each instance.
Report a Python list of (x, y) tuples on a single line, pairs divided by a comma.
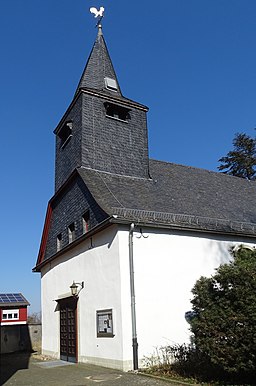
[(12, 298), (20, 298)]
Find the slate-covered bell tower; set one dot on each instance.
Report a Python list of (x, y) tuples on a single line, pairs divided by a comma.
[(101, 129)]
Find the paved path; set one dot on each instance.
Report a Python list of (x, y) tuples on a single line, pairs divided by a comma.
[(22, 370)]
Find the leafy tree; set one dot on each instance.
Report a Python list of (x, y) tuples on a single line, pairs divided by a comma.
[(223, 327), (241, 161)]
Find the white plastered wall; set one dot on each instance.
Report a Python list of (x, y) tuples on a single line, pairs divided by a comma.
[(166, 266), (99, 268)]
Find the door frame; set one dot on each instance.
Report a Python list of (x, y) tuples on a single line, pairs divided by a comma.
[(63, 303)]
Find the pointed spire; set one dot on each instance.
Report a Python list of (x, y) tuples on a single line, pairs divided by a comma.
[(100, 33), (99, 68)]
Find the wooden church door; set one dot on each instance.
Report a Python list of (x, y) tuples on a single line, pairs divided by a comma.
[(68, 330)]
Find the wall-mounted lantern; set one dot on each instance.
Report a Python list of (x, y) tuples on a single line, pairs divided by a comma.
[(74, 288)]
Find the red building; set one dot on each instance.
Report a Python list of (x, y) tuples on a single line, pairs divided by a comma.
[(13, 309)]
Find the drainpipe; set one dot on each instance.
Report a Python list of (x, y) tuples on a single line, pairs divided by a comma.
[(133, 307)]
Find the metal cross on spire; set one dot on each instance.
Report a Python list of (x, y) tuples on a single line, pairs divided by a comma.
[(99, 14)]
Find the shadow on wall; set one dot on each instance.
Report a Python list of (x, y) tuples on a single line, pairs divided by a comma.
[(87, 245), (17, 343), (220, 251), (15, 338)]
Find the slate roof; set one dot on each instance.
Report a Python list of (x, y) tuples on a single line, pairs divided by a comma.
[(178, 196), (174, 196), (98, 66)]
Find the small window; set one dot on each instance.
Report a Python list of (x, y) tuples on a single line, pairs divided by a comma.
[(117, 112), (59, 242), (10, 314), (71, 232), (86, 222), (104, 323), (65, 134), (110, 84)]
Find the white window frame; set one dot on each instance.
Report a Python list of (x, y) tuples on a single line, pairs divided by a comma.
[(12, 313), (59, 242), (71, 232), (86, 222)]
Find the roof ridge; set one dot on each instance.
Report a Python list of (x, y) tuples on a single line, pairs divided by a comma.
[(182, 165), (201, 169), (110, 191), (115, 174)]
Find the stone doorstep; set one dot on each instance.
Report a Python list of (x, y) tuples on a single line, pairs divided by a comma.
[(54, 363)]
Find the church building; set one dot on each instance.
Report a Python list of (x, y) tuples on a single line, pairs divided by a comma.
[(125, 236)]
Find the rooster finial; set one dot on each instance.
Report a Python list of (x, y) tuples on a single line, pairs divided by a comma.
[(98, 14)]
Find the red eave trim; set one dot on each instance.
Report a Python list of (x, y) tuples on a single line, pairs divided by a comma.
[(45, 234), (48, 217)]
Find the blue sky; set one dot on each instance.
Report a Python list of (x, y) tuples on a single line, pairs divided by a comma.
[(191, 61)]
